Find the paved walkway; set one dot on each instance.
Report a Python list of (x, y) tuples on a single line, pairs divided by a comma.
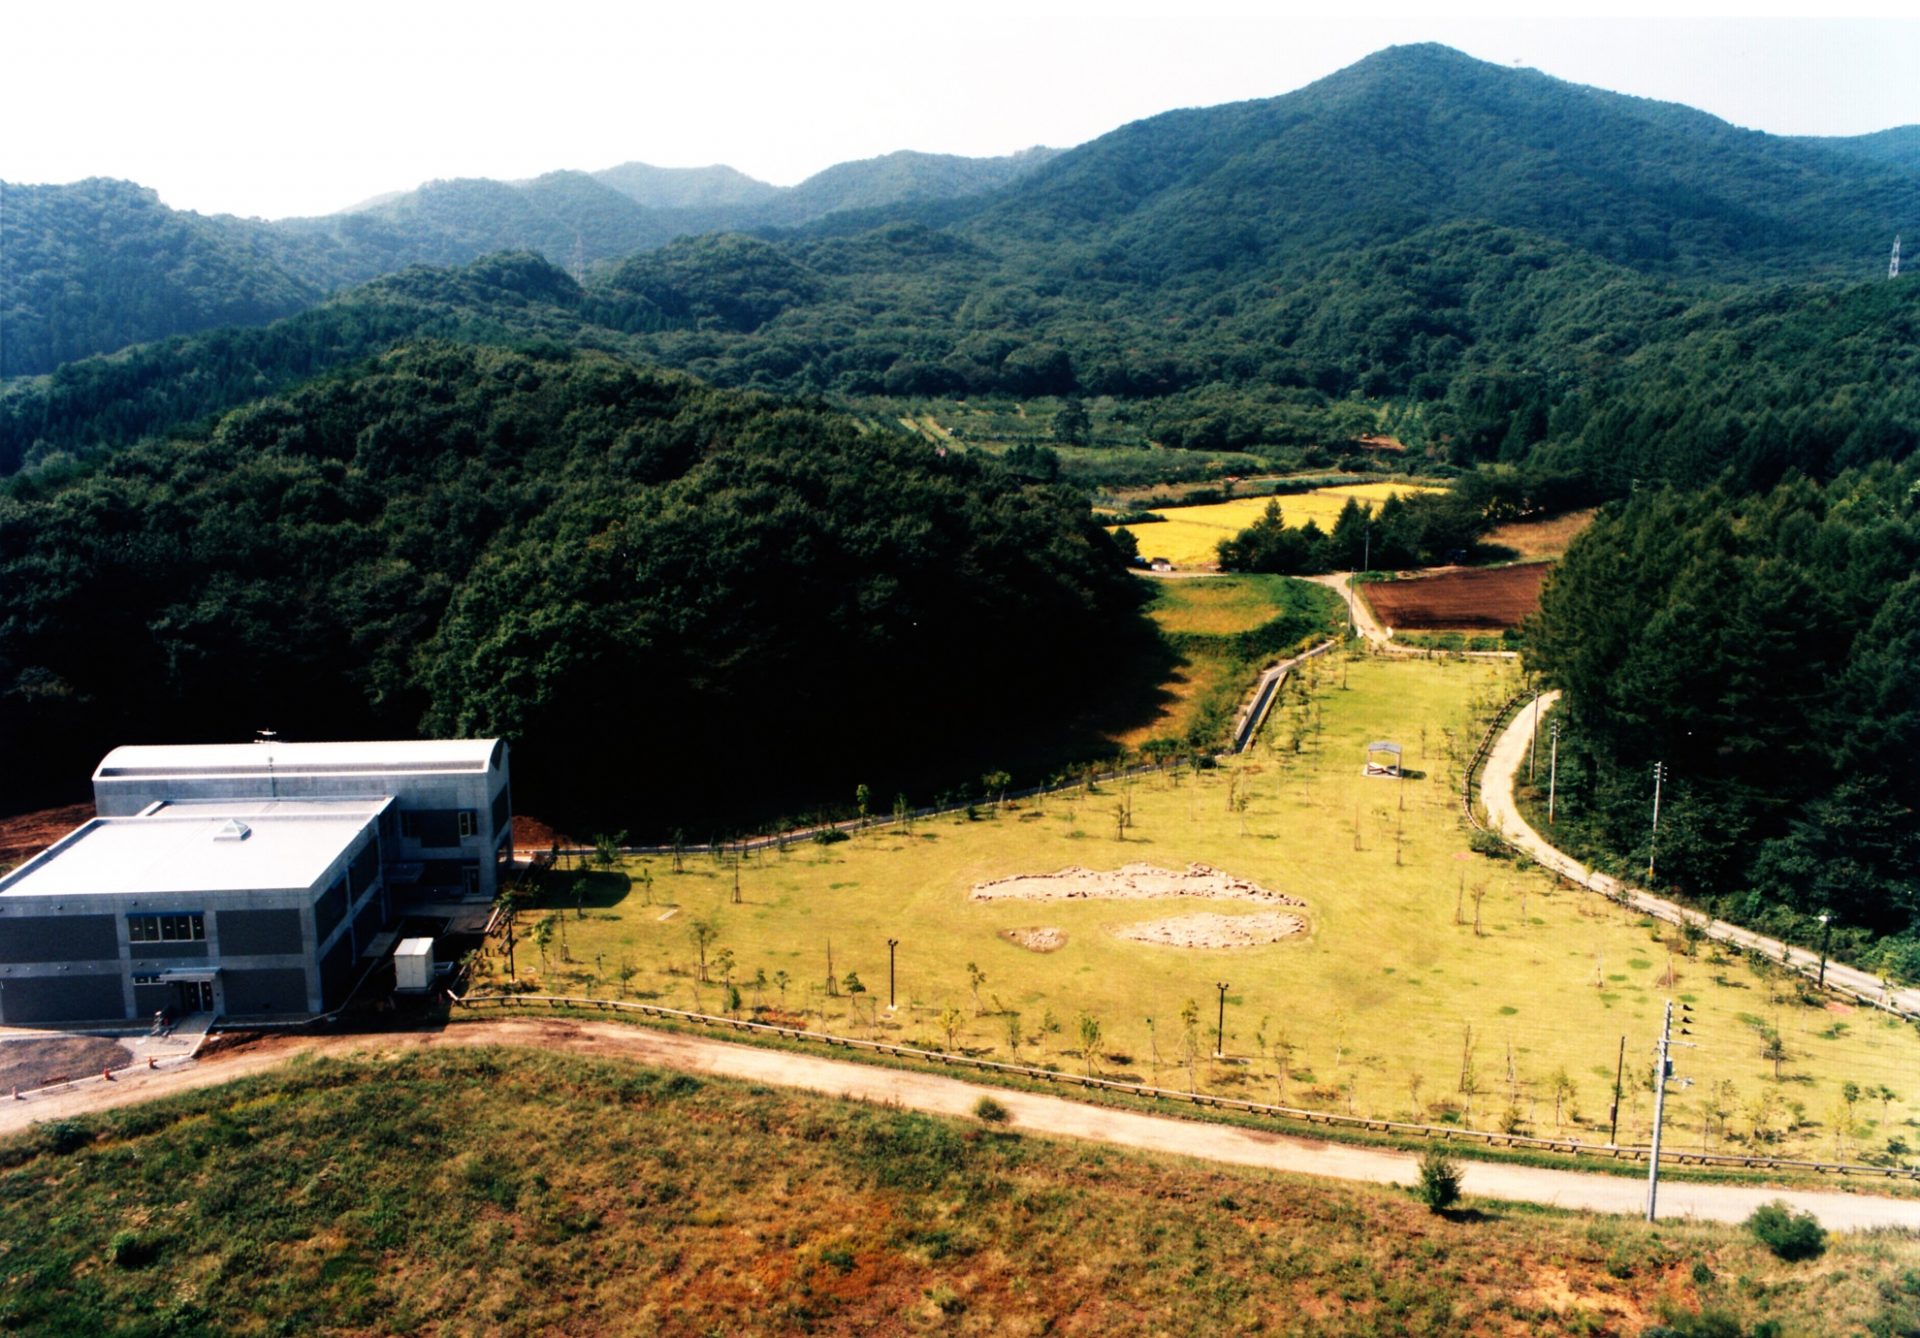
[(1031, 1113), (1509, 754)]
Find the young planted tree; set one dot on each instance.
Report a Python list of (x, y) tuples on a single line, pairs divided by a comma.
[(1089, 1039), (542, 936), (902, 813), (994, 785), (702, 933), (862, 799), (975, 979), (1012, 1020), (1190, 1041), (780, 981), (606, 849), (950, 1020), (1562, 1087)]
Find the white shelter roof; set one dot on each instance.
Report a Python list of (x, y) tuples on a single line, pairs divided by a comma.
[(188, 849), (401, 757)]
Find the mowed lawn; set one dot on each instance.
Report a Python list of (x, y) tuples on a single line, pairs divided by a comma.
[(1189, 535), (1384, 1003)]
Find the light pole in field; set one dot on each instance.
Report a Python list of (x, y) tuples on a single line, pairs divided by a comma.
[(1220, 1026), (1826, 934), (892, 943), (1553, 767)]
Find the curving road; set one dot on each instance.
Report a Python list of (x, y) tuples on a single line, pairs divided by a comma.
[(1030, 1112), (1509, 754)]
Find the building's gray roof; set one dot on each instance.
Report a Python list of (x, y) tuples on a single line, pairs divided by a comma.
[(186, 849), (149, 761)]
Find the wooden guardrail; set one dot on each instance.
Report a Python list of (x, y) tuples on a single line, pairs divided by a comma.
[(1443, 1132)]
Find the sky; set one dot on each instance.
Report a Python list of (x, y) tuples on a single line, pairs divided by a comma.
[(273, 110)]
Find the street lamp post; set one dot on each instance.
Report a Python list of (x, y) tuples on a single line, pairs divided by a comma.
[(892, 943), (1533, 738), (1553, 767), (1220, 1026)]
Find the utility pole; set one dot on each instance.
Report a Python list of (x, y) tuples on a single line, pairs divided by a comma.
[(1826, 934), (892, 943), (1662, 1070), (1662, 1066), (1220, 1027), (1553, 768), (1659, 775)]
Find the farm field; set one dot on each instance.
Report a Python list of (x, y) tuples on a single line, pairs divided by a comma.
[(508, 1191), (1189, 535), (1473, 598), (1431, 982)]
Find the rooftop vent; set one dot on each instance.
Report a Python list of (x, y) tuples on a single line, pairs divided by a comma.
[(233, 830)]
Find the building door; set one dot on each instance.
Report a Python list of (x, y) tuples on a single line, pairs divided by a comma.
[(193, 996)]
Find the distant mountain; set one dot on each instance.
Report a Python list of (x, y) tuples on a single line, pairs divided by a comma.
[(716, 187), (1226, 207), (99, 265), (1899, 146), (1418, 135)]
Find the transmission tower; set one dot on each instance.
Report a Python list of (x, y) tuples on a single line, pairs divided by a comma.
[(1893, 265)]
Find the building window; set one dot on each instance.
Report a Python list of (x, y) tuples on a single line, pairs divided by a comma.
[(410, 825), (175, 928), (467, 824)]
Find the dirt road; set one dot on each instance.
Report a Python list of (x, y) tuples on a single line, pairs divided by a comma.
[(1030, 1113), (1509, 754)]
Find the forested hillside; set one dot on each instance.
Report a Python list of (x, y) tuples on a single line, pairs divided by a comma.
[(1766, 647), (685, 606), (95, 266), (90, 267)]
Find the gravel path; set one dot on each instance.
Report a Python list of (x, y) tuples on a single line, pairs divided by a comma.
[(1509, 754), (1031, 1113)]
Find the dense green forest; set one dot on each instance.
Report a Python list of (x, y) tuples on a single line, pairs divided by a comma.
[(680, 602), (1766, 648)]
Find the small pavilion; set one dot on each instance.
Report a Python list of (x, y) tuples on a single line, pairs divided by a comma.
[(1383, 759)]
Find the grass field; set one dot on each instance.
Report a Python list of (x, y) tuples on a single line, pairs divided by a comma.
[(1189, 535), (1205, 621), (508, 1192), (1433, 983), (1537, 540)]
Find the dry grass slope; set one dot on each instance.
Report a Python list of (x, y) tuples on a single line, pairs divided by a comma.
[(508, 1192)]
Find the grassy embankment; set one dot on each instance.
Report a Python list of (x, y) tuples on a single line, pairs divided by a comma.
[(1223, 629), (1434, 983), (509, 1192)]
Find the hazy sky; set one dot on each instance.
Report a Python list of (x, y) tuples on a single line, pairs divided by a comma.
[(276, 109)]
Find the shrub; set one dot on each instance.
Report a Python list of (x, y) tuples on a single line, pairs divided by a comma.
[(989, 1111), (128, 1250), (1439, 1185), (1790, 1235)]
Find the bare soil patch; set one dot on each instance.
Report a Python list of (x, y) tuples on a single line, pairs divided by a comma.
[(1465, 599), (531, 836), (1209, 929), (23, 837), (38, 1060), (1130, 882), (1043, 938)]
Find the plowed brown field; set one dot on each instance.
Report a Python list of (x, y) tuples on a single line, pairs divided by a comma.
[(23, 837), (1493, 598)]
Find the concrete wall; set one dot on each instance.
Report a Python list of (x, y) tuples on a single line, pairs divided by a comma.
[(89, 997), (260, 933), (58, 938)]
